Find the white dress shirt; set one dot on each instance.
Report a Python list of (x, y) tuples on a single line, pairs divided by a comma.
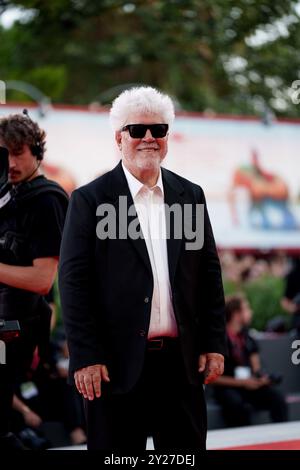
[(149, 205)]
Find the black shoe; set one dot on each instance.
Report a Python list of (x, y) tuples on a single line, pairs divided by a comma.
[(33, 440), (11, 442)]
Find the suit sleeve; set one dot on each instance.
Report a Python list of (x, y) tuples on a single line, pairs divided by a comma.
[(214, 337), (75, 272)]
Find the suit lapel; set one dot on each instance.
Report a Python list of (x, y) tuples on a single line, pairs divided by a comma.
[(119, 187), (173, 192)]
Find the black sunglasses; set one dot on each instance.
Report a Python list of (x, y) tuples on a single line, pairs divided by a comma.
[(138, 131)]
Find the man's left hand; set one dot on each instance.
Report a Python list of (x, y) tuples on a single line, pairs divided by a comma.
[(212, 364)]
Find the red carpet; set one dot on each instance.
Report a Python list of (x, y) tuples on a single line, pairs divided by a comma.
[(282, 445)]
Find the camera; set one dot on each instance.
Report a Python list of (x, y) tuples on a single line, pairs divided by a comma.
[(3, 167), (9, 330), (34, 439), (4, 186), (275, 379)]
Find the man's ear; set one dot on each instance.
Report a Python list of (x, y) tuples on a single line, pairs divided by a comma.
[(118, 138)]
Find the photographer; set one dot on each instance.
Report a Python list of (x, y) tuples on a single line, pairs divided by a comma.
[(32, 213), (244, 386)]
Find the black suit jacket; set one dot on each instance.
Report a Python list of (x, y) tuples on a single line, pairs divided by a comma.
[(106, 285)]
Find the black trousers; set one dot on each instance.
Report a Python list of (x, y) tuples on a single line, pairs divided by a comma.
[(162, 404), (239, 404), (57, 401), (19, 354)]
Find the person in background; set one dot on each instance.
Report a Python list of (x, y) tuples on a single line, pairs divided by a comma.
[(291, 299), (32, 219), (45, 396), (244, 386)]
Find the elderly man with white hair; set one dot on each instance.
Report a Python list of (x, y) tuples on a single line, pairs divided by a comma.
[(141, 291)]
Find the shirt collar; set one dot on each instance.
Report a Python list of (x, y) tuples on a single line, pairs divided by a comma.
[(135, 185)]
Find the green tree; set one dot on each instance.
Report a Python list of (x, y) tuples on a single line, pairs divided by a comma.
[(264, 295), (221, 55)]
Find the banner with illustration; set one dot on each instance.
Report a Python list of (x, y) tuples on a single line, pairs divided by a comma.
[(250, 171)]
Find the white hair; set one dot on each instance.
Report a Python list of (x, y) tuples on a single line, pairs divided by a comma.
[(142, 99)]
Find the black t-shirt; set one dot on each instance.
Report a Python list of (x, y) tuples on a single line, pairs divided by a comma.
[(36, 225), (40, 221), (45, 216), (240, 348)]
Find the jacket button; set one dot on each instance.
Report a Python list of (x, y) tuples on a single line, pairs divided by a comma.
[(146, 300), (142, 333)]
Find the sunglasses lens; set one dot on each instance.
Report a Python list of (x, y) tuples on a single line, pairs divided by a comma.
[(159, 130), (138, 131)]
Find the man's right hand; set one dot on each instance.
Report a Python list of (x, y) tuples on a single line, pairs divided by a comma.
[(254, 383), (88, 380)]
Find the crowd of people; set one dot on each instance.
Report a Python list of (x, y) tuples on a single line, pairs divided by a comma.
[(240, 268)]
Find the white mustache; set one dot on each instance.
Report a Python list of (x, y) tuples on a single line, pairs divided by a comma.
[(147, 148)]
